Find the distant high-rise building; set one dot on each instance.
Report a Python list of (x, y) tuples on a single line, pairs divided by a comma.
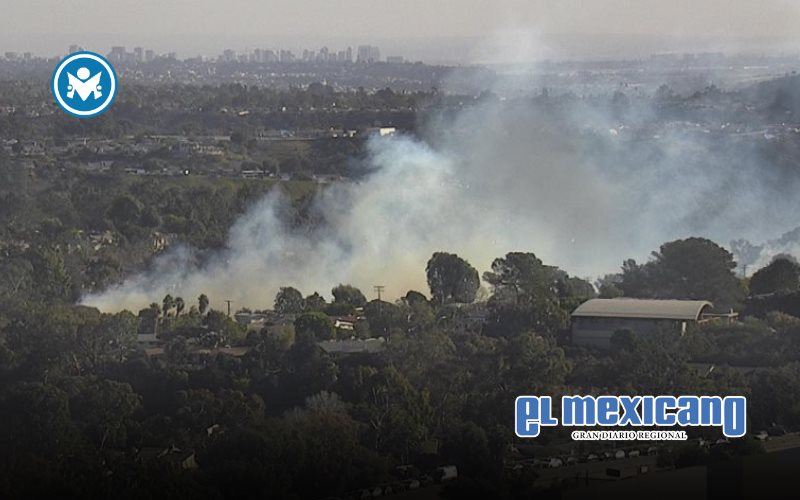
[(368, 54), (395, 59), (270, 56), (149, 55), (287, 56), (117, 54), (138, 54), (75, 48), (228, 55)]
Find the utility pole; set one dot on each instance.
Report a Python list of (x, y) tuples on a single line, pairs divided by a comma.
[(379, 289), (229, 306), (744, 270)]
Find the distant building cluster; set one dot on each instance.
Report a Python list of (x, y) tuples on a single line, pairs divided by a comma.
[(368, 54), (15, 56), (119, 54), (363, 54)]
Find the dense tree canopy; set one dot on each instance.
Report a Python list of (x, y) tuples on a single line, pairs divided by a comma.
[(289, 300), (780, 276), (349, 295), (694, 268), (451, 279)]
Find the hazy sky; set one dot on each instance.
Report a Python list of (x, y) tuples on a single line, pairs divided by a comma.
[(42, 25)]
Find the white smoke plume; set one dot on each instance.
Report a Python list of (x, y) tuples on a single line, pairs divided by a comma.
[(581, 185)]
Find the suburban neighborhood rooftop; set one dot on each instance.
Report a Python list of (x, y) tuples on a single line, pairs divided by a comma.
[(643, 308)]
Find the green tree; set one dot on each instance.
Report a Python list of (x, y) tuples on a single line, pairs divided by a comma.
[(320, 325), (397, 414), (180, 305), (527, 295), (467, 447), (229, 330), (348, 294), (202, 303), (608, 286), (15, 276), (384, 317), (37, 421), (780, 276), (124, 212), (623, 339), (415, 297), (694, 268), (105, 411), (520, 276), (315, 303), (289, 300), (167, 304), (308, 370), (451, 279)]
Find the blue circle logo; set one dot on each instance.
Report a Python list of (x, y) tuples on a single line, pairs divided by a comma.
[(84, 84)]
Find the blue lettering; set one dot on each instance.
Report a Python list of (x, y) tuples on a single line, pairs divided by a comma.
[(532, 412), (689, 410), (629, 414), (607, 410), (662, 404), (735, 423), (647, 410), (578, 410), (710, 410)]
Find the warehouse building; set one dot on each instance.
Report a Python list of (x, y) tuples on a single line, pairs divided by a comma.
[(595, 321)]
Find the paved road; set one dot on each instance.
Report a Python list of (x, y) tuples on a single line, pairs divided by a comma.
[(779, 443), (597, 470)]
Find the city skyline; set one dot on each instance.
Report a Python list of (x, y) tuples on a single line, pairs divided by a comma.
[(444, 31), (350, 54)]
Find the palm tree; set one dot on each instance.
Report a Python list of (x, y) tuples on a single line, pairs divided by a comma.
[(179, 306), (168, 304), (202, 303)]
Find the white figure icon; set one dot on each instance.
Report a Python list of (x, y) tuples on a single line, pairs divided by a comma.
[(84, 85)]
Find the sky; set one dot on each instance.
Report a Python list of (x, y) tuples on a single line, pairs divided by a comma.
[(201, 26)]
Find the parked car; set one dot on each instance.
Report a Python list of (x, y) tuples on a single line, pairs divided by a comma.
[(412, 484), (619, 454), (445, 473), (555, 462), (541, 463), (776, 430), (634, 453), (761, 435)]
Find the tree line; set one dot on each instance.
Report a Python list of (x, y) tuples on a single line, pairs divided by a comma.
[(89, 413)]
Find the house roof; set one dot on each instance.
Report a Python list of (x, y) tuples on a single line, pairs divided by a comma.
[(353, 346), (642, 309)]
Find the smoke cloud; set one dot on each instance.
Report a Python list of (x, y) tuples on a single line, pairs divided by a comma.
[(582, 182)]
